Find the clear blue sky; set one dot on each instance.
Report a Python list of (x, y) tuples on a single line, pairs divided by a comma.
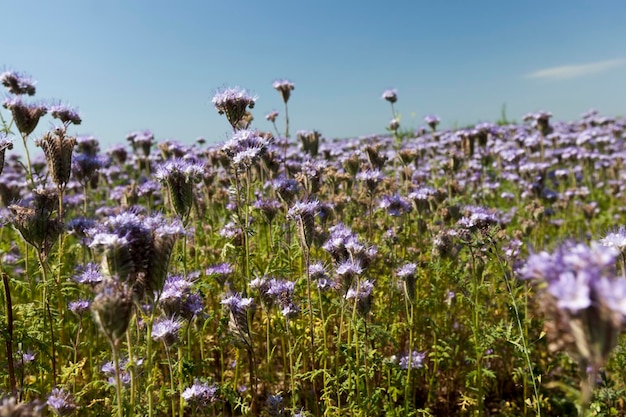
[(129, 64)]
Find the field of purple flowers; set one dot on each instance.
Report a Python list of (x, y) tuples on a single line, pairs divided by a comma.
[(476, 271)]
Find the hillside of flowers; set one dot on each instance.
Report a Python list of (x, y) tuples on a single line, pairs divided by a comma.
[(477, 271)]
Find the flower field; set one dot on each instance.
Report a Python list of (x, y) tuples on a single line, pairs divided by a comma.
[(476, 271)]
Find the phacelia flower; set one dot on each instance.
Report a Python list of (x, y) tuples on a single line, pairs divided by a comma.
[(200, 394), (26, 116), (391, 95), (395, 205), (61, 402), (233, 102), (583, 299), (166, 330), (18, 84), (65, 114), (284, 87)]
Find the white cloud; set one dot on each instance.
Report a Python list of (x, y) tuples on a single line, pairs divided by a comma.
[(575, 71)]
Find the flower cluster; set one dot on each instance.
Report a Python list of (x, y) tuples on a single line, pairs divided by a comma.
[(582, 297), (233, 102), (136, 249)]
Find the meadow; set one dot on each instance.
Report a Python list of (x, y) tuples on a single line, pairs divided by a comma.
[(476, 271)]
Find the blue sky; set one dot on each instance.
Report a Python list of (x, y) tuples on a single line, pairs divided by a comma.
[(131, 65)]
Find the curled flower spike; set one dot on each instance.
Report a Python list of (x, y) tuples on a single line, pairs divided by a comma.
[(26, 116), (65, 114), (179, 176), (18, 84), (284, 87), (391, 95), (233, 102), (238, 308), (58, 148)]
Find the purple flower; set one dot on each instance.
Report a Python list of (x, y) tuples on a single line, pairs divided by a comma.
[(233, 102), (79, 307), (284, 87), (395, 205), (65, 114), (245, 148), (166, 330), (271, 116), (432, 121), (26, 116), (391, 95), (219, 271), (61, 402), (371, 178), (89, 274), (18, 84), (200, 394), (615, 239), (415, 361)]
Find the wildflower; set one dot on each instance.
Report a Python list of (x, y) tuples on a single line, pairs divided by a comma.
[(137, 249), (35, 222), (371, 178), (177, 298), (394, 124), (395, 205), (200, 395), (432, 121), (57, 148), (61, 402), (286, 188), (233, 102), (271, 116), (166, 330), (238, 308), (408, 274), (18, 84), (219, 271), (112, 309), (245, 148), (415, 360), (180, 175), (615, 239), (363, 296), (65, 114), (85, 168), (26, 116), (89, 274), (284, 87), (391, 95), (304, 212), (141, 141), (310, 141), (79, 307), (269, 208), (583, 299), (318, 273), (108, 369)]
